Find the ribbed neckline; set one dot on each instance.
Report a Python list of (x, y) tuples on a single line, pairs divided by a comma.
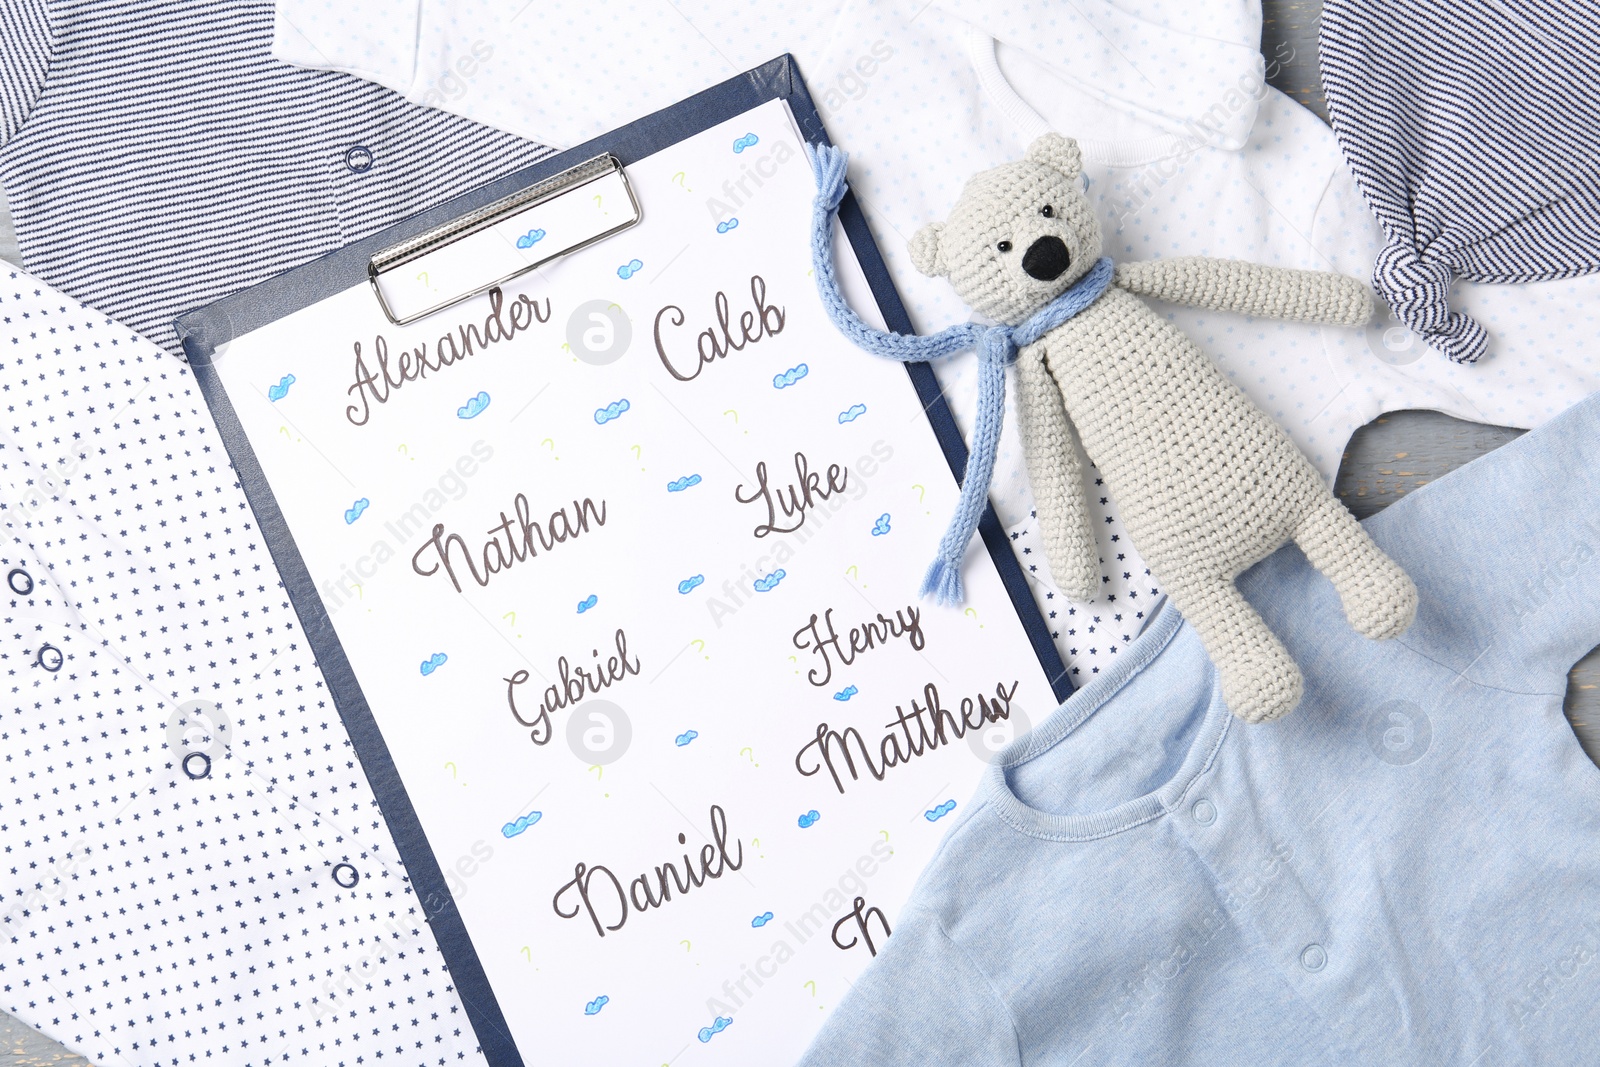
[(1105, 151), (1074, 713)]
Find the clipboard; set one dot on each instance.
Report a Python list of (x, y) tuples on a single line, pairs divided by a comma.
[(782, 815)]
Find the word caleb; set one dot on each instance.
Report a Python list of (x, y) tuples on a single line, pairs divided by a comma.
[(506, 547), (573, 685), (717, 341), (935, 726), (607, 899), (794, 500), (379, 385), (874, 633)]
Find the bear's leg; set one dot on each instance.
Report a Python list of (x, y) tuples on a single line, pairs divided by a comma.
[(1379, 598), (1259, 679)]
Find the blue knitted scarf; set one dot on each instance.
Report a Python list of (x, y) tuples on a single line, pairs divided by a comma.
[(996, 346)]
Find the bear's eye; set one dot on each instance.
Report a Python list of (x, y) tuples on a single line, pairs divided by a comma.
[(1004, 246), (1048, 212)]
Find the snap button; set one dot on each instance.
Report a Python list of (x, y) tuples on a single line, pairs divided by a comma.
[(1204, 812), (50, 658), (358, 158), (16, 576), (350, 877), (201, 767), (1313, 957)]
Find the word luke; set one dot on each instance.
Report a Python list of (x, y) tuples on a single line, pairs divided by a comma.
[(796, 499)]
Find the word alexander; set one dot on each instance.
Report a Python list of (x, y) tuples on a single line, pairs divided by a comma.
[(927, 726), (377, 386), (608, 899)]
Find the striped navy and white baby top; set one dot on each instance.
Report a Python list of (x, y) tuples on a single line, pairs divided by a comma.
[(157, 157), (1471, 130)]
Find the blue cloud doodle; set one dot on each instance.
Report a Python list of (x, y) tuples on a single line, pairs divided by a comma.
[(594, 1006), (749, 140), (281, 390), (473, 407), (708, 1032), (685, 737), (529, 239), (940, 812), (854, 412), (587, 602), (770, 582), (761, 920), (433, 663), (353, 512), (846, 693), (678, 485), (521, 823), (881, 527), (809, 819), (611, 411), (630, 268), (689, 585), (790, 376), (729, 224)]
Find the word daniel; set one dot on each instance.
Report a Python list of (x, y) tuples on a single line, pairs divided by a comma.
[(714, 861)]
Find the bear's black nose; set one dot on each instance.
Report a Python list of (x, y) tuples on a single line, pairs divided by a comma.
[(1047, 259)]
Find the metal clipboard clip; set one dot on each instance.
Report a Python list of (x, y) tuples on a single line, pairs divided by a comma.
[(503, 240)]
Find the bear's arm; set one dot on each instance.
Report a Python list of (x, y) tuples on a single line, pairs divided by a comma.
[(1251, 289), (1056, 474)]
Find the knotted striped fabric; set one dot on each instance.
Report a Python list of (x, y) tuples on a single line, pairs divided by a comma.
[(996, 346), (1473, 130)]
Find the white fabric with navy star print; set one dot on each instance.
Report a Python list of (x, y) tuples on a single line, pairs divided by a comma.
[(178, 883)]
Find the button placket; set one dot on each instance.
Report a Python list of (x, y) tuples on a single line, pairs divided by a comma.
[(1256, 877)]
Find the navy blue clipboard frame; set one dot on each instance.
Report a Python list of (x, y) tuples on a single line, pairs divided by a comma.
[(206, 330)]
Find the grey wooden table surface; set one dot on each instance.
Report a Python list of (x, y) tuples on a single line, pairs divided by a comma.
[(1386, 459)]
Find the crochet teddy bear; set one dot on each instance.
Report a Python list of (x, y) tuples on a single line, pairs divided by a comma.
[(1208, 485)]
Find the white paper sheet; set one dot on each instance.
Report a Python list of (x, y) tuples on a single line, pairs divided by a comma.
[(639, 476)]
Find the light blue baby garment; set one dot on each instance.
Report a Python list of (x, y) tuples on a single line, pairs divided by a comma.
[(1406, 870)]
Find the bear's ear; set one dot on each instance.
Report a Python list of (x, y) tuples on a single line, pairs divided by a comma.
[(1061, 153), (924, 246)]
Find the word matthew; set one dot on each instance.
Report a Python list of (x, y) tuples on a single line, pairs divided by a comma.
[(927, 726)]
